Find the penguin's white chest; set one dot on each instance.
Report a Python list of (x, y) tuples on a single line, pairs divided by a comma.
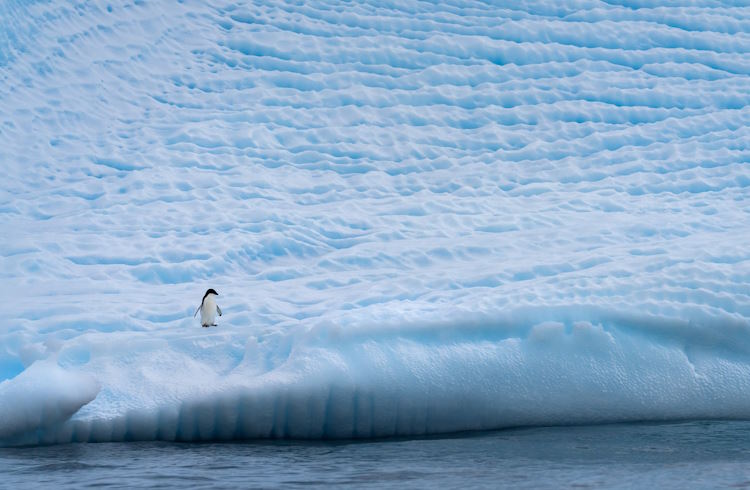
[(208, 310)]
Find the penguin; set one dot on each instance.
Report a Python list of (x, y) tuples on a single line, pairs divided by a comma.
[(208, 309)]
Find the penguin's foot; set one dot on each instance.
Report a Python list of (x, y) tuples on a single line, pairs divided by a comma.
[(205, 326), (214, 325)]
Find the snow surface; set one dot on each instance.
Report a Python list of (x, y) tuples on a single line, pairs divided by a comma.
[(420, 217)]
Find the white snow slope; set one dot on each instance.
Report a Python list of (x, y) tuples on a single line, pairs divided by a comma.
[(420, 217)]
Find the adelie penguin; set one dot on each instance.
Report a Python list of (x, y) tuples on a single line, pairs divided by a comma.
[(208, 309)]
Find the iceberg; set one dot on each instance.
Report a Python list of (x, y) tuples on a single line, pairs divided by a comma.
[(422, 218)]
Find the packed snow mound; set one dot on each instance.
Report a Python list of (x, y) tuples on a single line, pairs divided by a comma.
[(419, 218), (42, 397)]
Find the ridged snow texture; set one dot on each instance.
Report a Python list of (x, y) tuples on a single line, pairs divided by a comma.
[(420, 217)]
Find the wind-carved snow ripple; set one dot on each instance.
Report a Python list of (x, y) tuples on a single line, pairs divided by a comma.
[(357, 181)]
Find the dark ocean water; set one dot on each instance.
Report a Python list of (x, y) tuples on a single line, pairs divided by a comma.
[(677, 455)]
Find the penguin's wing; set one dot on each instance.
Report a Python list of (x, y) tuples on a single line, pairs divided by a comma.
[(217, 307), (196, 311)]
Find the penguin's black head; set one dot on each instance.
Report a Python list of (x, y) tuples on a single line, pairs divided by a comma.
[(210, 291)]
